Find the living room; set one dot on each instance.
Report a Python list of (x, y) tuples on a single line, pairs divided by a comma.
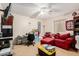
[(52, 26)]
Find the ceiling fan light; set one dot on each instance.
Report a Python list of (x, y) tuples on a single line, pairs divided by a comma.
[(41, 13)]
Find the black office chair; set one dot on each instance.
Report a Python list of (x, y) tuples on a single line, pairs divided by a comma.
[(30, 39)]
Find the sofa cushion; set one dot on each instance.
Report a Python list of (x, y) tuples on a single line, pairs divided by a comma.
[(57, 36), (64, 36), (48, 34), (47, 39)]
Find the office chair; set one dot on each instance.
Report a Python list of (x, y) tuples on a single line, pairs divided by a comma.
[(30, 39)]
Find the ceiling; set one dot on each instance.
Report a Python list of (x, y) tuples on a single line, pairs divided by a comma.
[(43, 10)]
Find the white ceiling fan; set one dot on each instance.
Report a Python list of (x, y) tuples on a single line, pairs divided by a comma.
[(45, 10)]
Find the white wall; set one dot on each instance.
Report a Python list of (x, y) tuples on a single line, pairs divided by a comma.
[(48, 25), (23, 24), (54, 25), (60, 26)]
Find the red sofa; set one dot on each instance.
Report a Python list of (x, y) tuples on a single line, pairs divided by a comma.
[(63, 41), (47, 39)]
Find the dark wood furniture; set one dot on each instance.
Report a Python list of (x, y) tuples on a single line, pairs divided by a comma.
[(6, 29), (76, 25), (75, 28)]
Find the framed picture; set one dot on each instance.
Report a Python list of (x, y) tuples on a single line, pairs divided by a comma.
[(69, 25)]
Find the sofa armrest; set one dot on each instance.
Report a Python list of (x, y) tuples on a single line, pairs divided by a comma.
[(69, 40)]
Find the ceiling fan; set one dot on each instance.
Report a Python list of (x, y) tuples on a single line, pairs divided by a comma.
[(47, 9)]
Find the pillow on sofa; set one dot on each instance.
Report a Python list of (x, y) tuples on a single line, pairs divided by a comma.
[(57, 36), (48, 34), (64, 36)]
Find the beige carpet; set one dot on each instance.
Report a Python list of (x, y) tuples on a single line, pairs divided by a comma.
[(22, 50)]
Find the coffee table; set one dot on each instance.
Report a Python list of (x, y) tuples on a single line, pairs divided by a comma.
[(42, 51)]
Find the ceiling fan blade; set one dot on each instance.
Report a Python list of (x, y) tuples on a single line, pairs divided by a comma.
[(50, 5), (35, 14)]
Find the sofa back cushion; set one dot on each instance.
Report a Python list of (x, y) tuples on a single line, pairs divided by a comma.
[(48, 34), (57, 36), (64, 36)]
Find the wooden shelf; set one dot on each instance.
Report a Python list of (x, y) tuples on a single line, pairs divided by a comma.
[(6, 38), (77, 23), (6, 26), (76, 30)]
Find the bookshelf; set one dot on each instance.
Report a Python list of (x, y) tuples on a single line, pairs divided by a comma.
[(76, 25), (7, 35)]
